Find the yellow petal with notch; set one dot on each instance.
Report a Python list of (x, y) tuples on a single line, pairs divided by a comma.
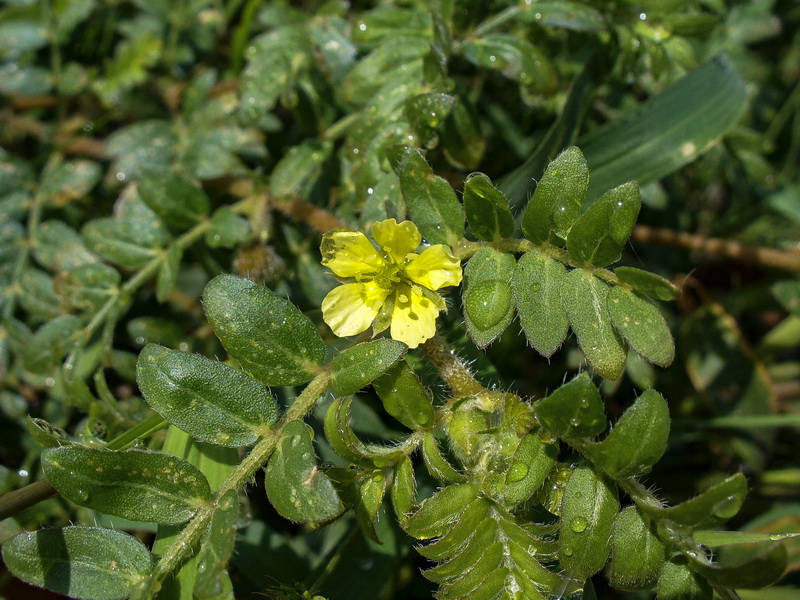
[(351, 308), (414, 316), (350, 254), (397, 240), (435, 268)]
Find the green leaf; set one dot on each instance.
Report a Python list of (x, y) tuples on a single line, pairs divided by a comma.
[(403, 488), (404, 397), (274, 61), (168, 273), (81, 562), (216, 548), (712, 507), (296, 487), (565, 14), (462, 139), (173, 197), (436, 463), (267, 334), (45, 434), (357, 367), (488, 300), (585, 300), (371, 490), (537, 284), (515, 58), (668, 131), (637, 442), (427, 113), (587, 513), (528, 470), (759, 571), (641, 325), (437, 514), (647, 283), (130, 243), (431, 202), (135, 485), (637, 554), (68, 181), (211, 401), (301, 165), (454, 540), (558, 200), (59, 247), (486, 209), (227, 229), (51, 343), (716, 539), (575, 410), (598, 236), (395, 56), (678, 582)]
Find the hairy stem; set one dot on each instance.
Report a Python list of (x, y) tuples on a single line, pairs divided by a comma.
[(185, 543), (451, 368)]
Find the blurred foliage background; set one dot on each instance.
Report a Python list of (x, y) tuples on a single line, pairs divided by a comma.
[(278, 119)]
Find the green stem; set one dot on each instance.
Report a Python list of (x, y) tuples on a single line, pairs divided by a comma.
[(187, 540), (496, 21), (451, 368), (341, 127), (467, 248)]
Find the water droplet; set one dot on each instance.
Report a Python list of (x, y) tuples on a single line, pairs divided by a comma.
[(82, 495), (726, 508), (517, 472), (545, 435), (22, 473), (574, 422), (642, 16), (121, 176), (567, 552), (578, 524)]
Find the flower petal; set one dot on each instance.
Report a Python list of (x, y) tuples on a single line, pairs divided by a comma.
[(396, 240), (434, 268), (350, 308), (350, 254), (414, 316)]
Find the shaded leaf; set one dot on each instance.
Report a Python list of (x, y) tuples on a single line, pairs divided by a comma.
[(81, 562), (404, 397), (647, 283), (431, 202), (574, 410), (486, 209)]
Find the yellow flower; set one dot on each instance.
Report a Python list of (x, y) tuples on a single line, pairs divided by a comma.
[(388, 285)]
